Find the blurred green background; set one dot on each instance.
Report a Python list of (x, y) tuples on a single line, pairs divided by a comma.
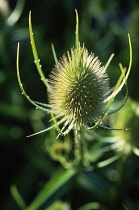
[(25, 162)]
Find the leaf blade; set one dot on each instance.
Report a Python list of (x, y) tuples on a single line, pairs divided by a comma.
[(55, 183)]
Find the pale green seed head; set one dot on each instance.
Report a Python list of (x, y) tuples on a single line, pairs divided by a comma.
[(127, 118), (78, 87)]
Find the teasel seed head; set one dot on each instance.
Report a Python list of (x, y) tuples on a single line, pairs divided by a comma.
[(127, 141), (78, 88)]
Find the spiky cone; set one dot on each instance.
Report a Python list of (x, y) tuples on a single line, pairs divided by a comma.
[(78, 87)]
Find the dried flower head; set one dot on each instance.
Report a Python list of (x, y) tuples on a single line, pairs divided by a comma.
[(78, 88)]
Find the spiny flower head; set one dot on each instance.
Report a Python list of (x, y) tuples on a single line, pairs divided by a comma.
[(78, 87)]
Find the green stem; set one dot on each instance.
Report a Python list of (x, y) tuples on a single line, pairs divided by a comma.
[(79, 148)]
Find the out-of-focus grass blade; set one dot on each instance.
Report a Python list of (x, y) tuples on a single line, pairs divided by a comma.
[(96, 184), (108, 161), (90, 206), (17, 197), (15, 15), (125, 207), (55, 184)]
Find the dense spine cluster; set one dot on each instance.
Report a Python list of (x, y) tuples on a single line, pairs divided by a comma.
[(78, 87)]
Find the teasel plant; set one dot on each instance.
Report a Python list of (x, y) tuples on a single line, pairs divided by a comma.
[(79, 93)]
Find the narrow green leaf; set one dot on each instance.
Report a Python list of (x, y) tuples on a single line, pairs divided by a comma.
[(90, 206), (19, 200), (54, 53), (125, 207), (96, 184), (60, 179), (128, 71), (35, 54), (21, 86), (120, 83), (56, 125), (109, 103), (77, 30), (108, 62), (126, 96), (108, 161)]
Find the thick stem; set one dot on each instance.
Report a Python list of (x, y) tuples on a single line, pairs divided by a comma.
[(79, 146)]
